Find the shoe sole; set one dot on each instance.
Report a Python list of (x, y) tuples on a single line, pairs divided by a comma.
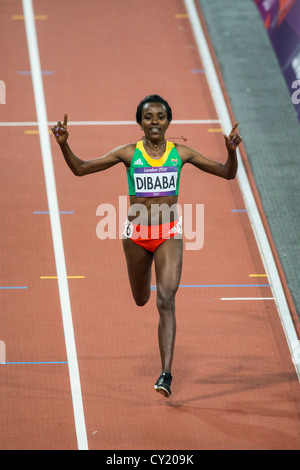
[(163, 391)]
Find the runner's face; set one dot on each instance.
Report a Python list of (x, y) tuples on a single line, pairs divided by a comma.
[(154, 121)]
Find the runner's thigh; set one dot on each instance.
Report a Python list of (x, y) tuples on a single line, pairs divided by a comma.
[(168, 266), (139, 264)]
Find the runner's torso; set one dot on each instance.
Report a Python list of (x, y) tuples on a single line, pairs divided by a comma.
[(154, 182)]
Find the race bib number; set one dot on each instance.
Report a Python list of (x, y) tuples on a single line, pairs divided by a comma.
[(155, 182), (128, 229)]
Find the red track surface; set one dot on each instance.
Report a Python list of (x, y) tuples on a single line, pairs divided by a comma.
[(235, 386)]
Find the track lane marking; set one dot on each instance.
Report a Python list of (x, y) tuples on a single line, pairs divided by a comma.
[(68, 277), (47, 212), (107, 123), (22, 17), (34, 363), (250, 203), (2, 352), (40, 104), (13, 287), (258, 275), (217, 285), (247, 298)]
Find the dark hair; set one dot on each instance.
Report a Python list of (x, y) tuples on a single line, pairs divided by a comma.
[(152, 99)]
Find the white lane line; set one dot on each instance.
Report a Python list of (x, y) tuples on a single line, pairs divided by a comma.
[(18, 124), (2, 352), (250, 203), (247, 298), (108, 123), (55, 224)]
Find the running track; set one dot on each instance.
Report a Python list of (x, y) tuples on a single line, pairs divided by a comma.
[(235, 384)]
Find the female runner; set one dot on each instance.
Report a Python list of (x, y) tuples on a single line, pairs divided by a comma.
[(153, 169)]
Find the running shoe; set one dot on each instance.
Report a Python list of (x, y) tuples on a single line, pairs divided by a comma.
[(163, 384)]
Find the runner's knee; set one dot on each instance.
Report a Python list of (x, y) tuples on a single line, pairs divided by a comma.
[(141, 299), (165, 299)]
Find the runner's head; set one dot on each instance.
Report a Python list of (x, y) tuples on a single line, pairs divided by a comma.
[(153, 99)]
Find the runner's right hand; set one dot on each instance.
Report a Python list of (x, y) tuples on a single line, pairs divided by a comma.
[(60, 131)]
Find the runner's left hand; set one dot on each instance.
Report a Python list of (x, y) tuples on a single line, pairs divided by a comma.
[(233, 140)]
